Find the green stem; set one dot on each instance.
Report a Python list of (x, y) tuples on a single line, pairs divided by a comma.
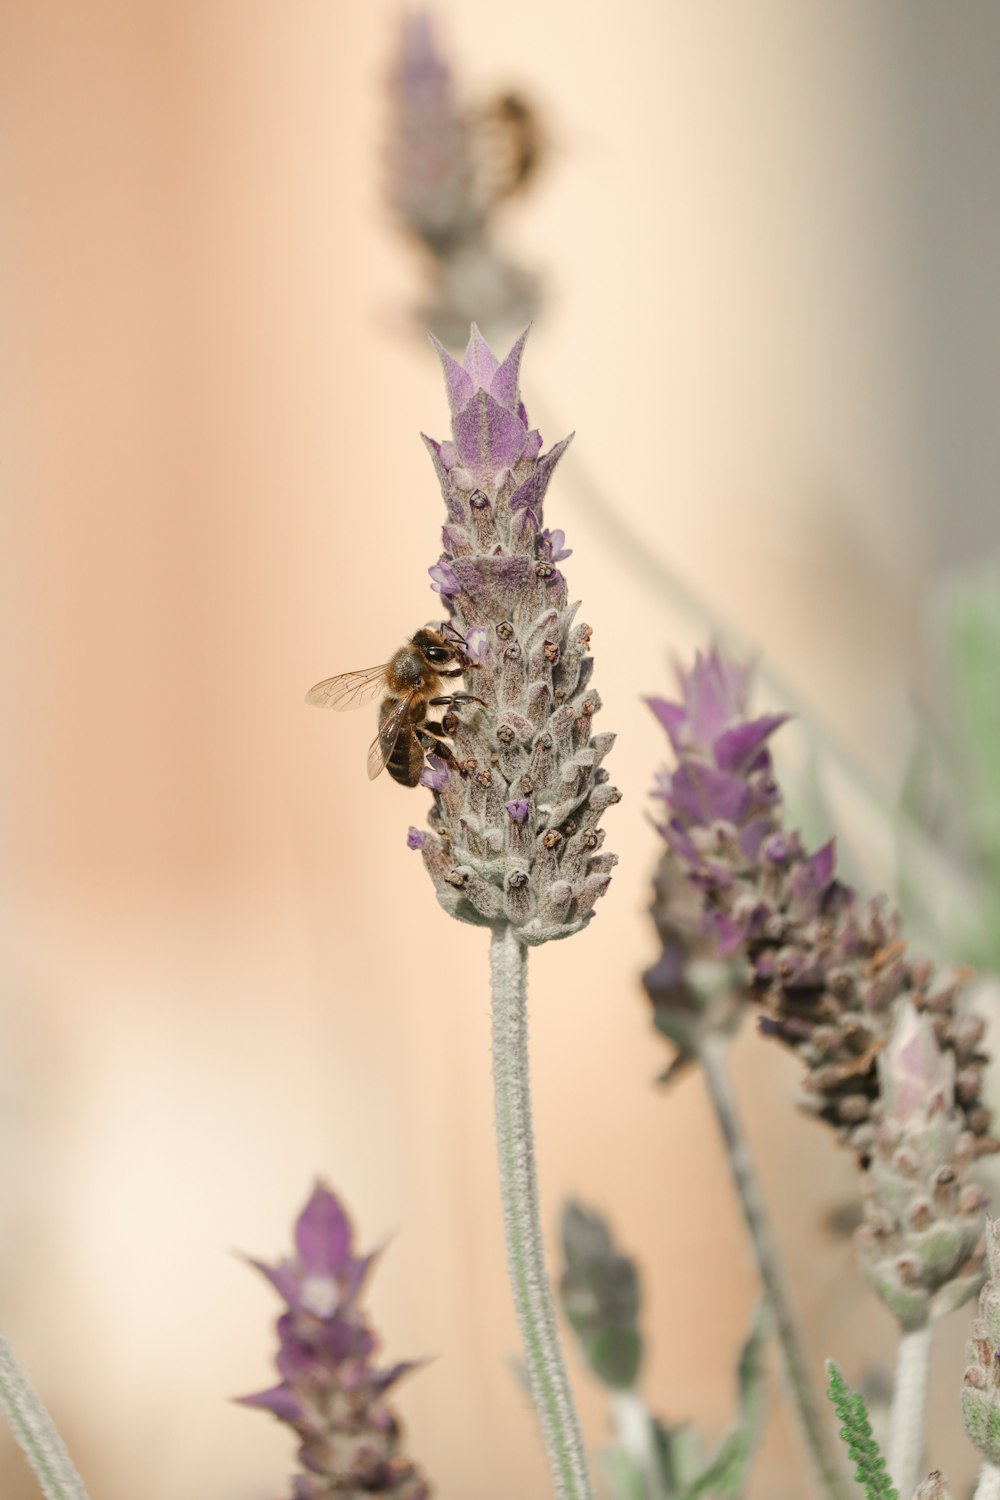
[(905, 1448), (549, 1386), (712, 1055), (35, 1431)]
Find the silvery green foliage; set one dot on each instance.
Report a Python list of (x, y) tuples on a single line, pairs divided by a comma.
[(981, 1383), (920, 1242), (600, 1293), (515, 827)]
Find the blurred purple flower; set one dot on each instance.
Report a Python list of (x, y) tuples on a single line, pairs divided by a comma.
[(331, 1392), (828, 967)]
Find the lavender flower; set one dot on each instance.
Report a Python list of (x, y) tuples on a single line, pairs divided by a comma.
[(920, 1243), (449, 170), (827, 967), (515, 828), (330, 1390)]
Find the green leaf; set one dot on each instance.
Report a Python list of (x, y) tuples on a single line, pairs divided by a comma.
[(623, 1474), (856, 1432), (728, 1472), (614, 1355), (599, 1293)]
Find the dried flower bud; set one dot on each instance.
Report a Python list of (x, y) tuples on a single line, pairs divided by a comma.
[(331, 1392), (524, 841), (934, 1487)]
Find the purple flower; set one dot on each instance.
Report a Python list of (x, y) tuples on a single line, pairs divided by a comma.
[(523, 734), (331, 1392), (443, 580), (477, 644), (827, 967), (552, 546), (434, 776), (415, 839)]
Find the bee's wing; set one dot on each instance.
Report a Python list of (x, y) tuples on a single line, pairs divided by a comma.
[(383, 744), (349, 690)]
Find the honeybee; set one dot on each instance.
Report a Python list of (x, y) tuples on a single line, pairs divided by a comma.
[(409, 683)]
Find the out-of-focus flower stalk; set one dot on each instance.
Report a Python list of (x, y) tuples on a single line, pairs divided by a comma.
[(35, 1432), (711, 1054)]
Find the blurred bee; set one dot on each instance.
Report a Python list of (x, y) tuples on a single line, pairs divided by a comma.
[(511, 144), (409, 684)]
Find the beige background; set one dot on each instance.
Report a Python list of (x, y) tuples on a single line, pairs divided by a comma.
[(769, 238)]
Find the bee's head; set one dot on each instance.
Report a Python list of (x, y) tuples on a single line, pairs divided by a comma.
[(432, 644)]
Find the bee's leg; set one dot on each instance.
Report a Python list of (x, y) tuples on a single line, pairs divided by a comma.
[(430, 735), (458, 672), (452, 698)]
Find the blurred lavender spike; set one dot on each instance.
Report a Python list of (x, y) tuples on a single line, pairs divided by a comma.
[(449, 170), (515, 834), (827, 967), (920, 1242), (331, 1392)]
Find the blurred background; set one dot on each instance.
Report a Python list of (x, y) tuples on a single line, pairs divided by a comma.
[(766, 240)]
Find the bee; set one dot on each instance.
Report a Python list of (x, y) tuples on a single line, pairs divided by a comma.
[(408, 682)]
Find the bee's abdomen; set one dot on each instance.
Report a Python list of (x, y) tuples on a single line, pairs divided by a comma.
[(407, 759)]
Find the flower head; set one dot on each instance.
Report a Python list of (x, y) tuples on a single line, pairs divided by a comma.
[(330, 1390), (828, 967), (515, 826), (446, 181)]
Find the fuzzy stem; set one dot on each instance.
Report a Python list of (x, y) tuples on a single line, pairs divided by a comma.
[(549, 1386), (637, 1437), (905, 1447), (35, 1431), (765, 1251), (988, 1487)]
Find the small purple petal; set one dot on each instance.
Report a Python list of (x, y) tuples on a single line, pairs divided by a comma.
[(673, 718), (735, 749), (518, 810), (488, 436), (458, 382), (504, 383), (323, 1234), (480, 362), (279, 1399), (435, 774), (823, 863), (443, 580), (702, 794), (533, 446), (283, 1278), (415, 838), (555, 545), (477, 643), (532, 491)]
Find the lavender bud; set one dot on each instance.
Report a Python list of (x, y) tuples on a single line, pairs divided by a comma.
[(512, 857)]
